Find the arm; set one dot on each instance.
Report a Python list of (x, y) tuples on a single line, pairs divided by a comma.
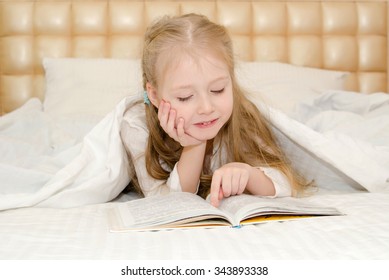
[(190, 166), (191, 160), (259, 183)]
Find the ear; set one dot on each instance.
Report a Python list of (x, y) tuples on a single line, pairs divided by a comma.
[(152, 94)]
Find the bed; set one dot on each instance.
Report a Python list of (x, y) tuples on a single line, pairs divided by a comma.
[(319, 69)]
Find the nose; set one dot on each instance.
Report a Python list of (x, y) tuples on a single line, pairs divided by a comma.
[(205, 105)]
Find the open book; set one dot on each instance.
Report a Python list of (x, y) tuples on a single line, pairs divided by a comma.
[(186, 210)]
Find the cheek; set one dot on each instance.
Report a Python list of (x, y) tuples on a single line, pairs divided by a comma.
[(228, 105), (231, 108)]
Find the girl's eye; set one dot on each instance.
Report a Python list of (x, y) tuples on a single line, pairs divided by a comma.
[(183, 99), (218, 91)]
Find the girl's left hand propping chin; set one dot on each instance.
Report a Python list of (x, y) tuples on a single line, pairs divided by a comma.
[(168, 119), (230, 179)]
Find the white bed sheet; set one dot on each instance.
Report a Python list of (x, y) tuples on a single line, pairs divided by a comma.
[(83, 233)]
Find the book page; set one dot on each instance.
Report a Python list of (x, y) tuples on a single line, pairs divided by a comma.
[(165, 209), (233, 204), (247, 206)]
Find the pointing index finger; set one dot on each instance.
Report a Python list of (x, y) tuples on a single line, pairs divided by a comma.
[(215, 189)]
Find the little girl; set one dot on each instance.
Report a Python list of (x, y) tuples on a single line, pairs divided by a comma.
[(197, 132)]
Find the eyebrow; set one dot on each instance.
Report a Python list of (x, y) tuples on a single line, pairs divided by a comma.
[(190, 86)]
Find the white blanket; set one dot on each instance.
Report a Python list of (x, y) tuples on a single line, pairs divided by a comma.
[(50, 164), (347, 136), (46, 162)]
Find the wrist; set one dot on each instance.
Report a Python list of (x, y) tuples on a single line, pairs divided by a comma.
[(199, 145), (259, 183)]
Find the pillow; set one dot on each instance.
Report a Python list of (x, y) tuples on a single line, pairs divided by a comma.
[(282, 85), (85, 87)]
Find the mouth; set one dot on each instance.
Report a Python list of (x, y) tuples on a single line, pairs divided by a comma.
[(206, 124)]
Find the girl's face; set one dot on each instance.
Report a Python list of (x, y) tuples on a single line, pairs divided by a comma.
[(199, 89)]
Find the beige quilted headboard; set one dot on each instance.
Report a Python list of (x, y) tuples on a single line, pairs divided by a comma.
[(339, 35)]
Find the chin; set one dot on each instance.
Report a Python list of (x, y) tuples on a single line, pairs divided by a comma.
[(203, 136)]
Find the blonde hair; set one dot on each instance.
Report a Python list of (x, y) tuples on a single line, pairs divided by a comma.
[(246, 137)]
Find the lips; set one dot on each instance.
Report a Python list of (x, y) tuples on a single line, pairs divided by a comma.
[(206, 123)]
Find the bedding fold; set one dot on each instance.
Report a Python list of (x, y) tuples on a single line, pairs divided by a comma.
[(344, 133), (51, 168)]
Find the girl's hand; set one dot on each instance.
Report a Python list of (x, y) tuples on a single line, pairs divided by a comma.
[(230, 179), (167, 119)]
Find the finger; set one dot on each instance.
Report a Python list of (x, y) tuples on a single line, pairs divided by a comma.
[(226, 184), (170, 126), (241, 186), (220, 194), (216, 189), (160, 108), (244, 178), (235, 183), (163, 111), (180, 129)]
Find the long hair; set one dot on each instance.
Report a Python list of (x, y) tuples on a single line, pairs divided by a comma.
[(246, 137)]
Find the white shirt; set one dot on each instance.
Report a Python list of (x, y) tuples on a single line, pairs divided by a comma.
[(134, 135)]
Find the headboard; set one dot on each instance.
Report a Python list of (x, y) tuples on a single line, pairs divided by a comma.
[(337, 35)]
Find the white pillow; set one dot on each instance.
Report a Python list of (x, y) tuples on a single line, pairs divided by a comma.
[(85, 87), (282, 85)]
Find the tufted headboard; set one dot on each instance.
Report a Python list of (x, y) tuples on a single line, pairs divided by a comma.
[(337, 35)]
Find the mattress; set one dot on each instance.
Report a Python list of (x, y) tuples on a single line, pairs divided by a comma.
[(83, 233)]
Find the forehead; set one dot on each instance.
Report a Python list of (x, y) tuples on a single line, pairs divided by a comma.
[(182, 63)]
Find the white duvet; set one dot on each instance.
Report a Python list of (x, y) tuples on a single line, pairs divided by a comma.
[(339, 139), (60, 163)]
